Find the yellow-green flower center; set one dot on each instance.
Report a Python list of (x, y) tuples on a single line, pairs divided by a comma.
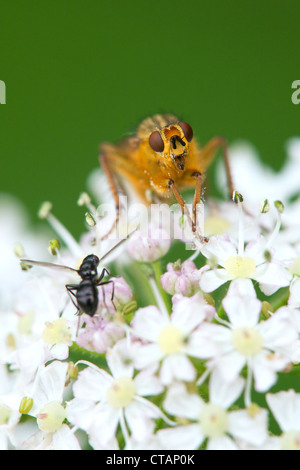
[(290, 440), (215, 225), (213, 420), (57, 332), (121, 392), (247, 340), (51, 417), (170, 340), (240, 266)]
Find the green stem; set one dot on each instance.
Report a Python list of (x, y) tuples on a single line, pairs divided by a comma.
[(76, 353), (156, 266)]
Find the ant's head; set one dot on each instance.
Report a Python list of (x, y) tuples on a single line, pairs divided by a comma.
[(88, 267)]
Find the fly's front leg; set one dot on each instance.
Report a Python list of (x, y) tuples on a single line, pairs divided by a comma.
[(197, 197), (208, 152), (181, 202)]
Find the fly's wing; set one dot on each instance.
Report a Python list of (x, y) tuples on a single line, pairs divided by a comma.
[(121, 157), (46, 264), (121, 164)]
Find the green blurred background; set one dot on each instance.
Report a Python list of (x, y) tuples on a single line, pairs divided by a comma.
[(80, 72)]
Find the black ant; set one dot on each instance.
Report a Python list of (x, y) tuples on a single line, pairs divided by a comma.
[(85, 294)]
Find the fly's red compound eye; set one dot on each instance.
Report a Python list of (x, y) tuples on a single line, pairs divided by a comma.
[(187, 130), (156, 142)]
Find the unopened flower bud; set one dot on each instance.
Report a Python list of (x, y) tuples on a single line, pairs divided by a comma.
[(150, 246), (25, 405), (279, 206), (181, 278), (115, 295), (266, 309), (84, 199)]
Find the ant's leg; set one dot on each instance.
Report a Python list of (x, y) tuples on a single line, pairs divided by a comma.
[(104, 272), (208, 152), (112, 294), (70, 288)]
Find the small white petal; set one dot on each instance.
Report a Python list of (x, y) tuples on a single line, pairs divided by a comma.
[(251, 429), (179, 402), (148, 322), (209, 340), (188, 312), (119, 360), (187, 437), (146, 355), (294, 299), (177, 367), (64, 439), (271, 277), (211, 280), (221, 443), (140, 420), (147, 383), (223, 393), (49, 385), (241, 287), (92, 384), (230, 365), (242, 311), (60, 351), (265, 367), (104, 424), (80, 412), (220, 247), (277, 332), (285, 407)]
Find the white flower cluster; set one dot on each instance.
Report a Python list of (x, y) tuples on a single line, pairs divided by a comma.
[(194, 368)]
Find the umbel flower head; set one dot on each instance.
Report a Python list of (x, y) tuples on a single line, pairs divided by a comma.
[(184, 348)]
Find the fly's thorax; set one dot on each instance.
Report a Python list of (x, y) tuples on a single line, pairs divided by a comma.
[(156, 122)]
